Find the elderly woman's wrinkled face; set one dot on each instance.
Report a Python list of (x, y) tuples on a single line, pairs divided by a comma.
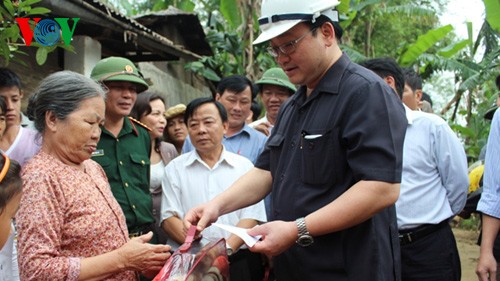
[(75, 138)]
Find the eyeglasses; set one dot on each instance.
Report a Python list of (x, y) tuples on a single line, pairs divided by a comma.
[(287, 48), (6, 166)]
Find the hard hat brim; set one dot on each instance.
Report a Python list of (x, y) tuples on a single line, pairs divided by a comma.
[(269, 31)]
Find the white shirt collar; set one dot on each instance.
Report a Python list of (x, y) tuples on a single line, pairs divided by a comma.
[(410, 116), (195, 157)]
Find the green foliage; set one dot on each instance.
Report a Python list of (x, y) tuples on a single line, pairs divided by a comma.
[(378, 28), (423, 43), (454, 48), (227, 9), (10, 35), (229, 36), (472, 223), (131, 8), (493, 14)]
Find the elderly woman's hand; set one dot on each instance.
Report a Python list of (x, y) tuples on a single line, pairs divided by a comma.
[(138, 255)]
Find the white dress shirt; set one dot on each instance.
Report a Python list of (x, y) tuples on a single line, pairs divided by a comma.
[(435, 180), (490, 198), (259, 121), (189, 182)]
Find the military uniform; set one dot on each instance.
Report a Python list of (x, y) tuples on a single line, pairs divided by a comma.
[(125, 159)]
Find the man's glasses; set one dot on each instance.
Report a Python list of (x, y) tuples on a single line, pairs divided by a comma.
[(5, 167), (287, 48)]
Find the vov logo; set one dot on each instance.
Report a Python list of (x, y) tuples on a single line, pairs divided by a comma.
[(47, 32)]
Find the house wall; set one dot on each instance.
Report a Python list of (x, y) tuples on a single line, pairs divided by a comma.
[(173, 82), (169, 79)]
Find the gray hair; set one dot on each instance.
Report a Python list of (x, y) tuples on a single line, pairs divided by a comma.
[(61, 93)]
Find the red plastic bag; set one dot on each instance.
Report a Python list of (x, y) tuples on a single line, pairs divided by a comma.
[(191, 262)]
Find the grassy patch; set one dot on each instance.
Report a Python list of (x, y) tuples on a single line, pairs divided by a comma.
[(472, 223)]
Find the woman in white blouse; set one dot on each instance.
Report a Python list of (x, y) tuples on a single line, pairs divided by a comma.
[(149, 109)]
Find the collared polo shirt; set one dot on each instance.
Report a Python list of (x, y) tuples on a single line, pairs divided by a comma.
[(350, 128), (125, 159)]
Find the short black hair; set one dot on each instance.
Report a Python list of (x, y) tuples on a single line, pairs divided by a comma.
[(236, 83), (412, 79), (426, 97), (384, 67), (3, 105), (256, 110), (9, 78), (323, 19), (142, 107), (196, 103), (142, 104), (497, 81)]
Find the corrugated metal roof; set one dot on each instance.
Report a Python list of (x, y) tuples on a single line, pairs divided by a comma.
[(96, 13)]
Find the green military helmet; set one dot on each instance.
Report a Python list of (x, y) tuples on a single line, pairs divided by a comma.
[(118, 69), (276, 76)]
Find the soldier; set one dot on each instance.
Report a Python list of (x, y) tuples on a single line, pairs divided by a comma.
[(125, 145)]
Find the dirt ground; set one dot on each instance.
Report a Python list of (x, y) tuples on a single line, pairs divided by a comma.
[(469, 252)]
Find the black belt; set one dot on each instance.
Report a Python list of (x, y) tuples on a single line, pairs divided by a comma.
[(141, 230), (408, 236)]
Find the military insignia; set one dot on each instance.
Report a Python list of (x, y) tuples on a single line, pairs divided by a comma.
[(129, 68), (140, 123), (98, 152)]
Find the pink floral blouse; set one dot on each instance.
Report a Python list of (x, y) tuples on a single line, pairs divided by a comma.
[(66, 214)]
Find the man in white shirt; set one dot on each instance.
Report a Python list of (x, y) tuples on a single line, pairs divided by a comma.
[(198, 176), (274, 89), (434, 187), (236, 93)]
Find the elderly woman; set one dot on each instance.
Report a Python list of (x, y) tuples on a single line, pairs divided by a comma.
[(176, 131), (149, 109), (70, 227)]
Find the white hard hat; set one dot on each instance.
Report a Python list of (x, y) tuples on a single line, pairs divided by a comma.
[(278, 16)]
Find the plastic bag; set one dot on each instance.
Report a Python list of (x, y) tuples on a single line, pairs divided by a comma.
[(191, 262)]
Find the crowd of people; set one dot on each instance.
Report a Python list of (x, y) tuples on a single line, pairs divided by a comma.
[(346, 175)]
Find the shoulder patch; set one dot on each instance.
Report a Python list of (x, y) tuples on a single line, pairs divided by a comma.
[(139, 123)]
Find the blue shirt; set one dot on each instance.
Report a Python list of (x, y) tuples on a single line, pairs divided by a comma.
[(490, 198), (434, 183), (247, 142)]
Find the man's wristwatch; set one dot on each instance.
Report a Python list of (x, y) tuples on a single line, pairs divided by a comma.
[(304, 239), (229, 250)]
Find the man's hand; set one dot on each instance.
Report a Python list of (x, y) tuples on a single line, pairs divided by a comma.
[(264, 128), (486, 269), (201, 216), (277, 236)]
